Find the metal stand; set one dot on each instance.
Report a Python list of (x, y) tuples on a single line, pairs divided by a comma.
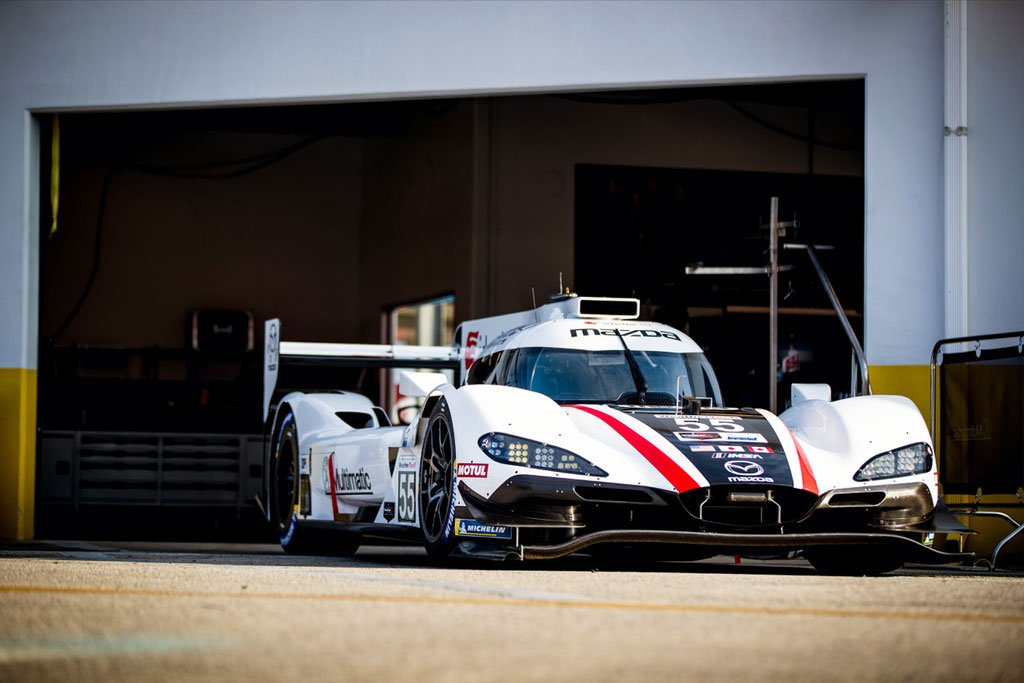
[(861, 360), (777, 229), (935, 362), (934, 417), (773, 306), (975, 512)]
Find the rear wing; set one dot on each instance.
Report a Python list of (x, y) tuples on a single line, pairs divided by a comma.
[(278, 354)]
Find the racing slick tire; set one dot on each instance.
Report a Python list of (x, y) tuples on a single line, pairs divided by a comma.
[(437, 483), (853, 561), (297, 539)]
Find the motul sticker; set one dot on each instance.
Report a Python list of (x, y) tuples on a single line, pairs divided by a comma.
[(471, 469)]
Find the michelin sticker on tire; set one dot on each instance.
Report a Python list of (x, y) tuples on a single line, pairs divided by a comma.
[(449, 526), (287, 538)]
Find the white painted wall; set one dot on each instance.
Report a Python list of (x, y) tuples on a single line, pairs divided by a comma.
[(113, 54), (995, 166)]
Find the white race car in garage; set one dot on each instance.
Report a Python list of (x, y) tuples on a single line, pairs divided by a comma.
[(578, 427)]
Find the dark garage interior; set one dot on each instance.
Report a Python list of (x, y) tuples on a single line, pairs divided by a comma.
[(180, 232)]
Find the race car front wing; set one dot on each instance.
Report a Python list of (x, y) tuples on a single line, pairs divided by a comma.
[(741, 544)]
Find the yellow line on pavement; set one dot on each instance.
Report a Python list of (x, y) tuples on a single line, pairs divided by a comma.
[(521, 602)]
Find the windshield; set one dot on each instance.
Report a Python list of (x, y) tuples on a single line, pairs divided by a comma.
[(568, 375)]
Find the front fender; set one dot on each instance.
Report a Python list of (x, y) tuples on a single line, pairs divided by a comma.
[(480, 408), (840, 436)]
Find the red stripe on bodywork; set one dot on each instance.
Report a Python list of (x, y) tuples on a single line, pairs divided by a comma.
[(334, 495), (668, 468), (806, 475)]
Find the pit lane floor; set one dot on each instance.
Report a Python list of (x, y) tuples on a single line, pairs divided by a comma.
[(183, 612)]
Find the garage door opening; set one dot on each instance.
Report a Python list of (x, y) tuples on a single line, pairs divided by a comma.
[(639, 228), (666, 220), (176, 229)]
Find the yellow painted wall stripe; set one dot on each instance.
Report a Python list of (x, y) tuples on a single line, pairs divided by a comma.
[(17, 452), (911, 381), (526, 602)]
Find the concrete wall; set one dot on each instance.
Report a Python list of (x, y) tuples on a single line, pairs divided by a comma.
[(995, 166)]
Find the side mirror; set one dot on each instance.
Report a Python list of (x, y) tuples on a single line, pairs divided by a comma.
[(420, 384), (809, 392)]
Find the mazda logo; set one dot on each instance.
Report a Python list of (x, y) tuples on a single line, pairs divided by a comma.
[(742, 468)]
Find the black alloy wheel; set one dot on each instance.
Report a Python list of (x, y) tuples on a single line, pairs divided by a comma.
[(437, 483)]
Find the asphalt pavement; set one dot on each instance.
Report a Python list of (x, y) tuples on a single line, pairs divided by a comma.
[(124, 611)]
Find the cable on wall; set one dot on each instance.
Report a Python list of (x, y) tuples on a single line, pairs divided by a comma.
[(796, 136), (189, 171), (54, 172), (628, 98)]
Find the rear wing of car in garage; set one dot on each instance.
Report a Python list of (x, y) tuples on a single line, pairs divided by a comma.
[(473, 335), (279, 354)]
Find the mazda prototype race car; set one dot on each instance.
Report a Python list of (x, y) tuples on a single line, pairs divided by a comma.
[(577, 427)]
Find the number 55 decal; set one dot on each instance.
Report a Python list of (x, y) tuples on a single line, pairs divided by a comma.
[(719, 425), (407, 497)]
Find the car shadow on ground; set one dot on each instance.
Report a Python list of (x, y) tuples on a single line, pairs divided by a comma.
[(394, 556), (371, 556)]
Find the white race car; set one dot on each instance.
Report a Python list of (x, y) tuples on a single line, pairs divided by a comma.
[(577, 427)]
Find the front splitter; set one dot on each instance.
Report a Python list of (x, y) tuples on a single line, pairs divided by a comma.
[(910, 550)]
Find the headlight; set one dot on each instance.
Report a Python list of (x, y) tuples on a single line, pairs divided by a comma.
[(902, 462), (515, 450)]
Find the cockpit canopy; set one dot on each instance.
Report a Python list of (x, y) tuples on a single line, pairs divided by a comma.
[(604, 376)]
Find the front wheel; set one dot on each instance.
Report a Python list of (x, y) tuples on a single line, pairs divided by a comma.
[(285, 480), (437, 483)]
